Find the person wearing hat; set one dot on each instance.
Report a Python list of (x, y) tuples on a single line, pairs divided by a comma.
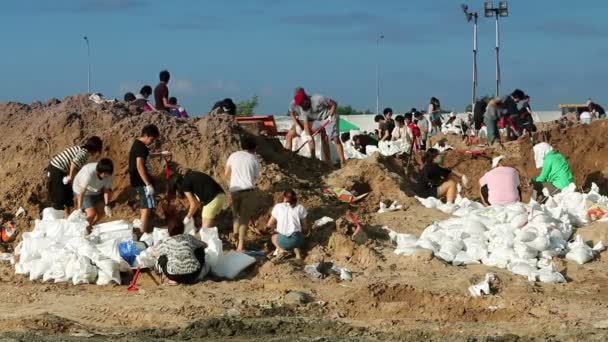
[(500, 185), (304, 111), (556, 173)]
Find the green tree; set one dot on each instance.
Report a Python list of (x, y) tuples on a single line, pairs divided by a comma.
[(247, 107), (485, 98)]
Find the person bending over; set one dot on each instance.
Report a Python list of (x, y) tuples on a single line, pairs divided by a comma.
[(556, 173), (200, 190), (500, 185), (434, 180), (93, 189)]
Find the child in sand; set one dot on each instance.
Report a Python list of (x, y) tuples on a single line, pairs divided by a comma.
[(289, 217)]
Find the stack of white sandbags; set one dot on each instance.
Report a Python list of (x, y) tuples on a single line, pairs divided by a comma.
[(522, 238), (58, 250)]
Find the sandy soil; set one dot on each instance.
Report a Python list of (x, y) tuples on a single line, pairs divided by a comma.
[(390, 297)]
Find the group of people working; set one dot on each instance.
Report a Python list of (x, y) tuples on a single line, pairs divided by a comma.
[(76, 180), (501, 184)]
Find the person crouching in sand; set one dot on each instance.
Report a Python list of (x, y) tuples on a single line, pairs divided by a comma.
[(289, 218)]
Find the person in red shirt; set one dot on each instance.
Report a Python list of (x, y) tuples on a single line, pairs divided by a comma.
[(161, 93)]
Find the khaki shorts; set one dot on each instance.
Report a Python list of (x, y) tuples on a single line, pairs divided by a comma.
[(213, 208), (244, 205)]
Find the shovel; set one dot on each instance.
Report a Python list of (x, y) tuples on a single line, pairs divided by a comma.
[(323, 125)]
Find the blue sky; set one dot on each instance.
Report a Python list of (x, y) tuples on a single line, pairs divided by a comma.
[(554, 50)]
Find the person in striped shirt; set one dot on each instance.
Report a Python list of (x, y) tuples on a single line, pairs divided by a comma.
[(181, 258), (63, 168)]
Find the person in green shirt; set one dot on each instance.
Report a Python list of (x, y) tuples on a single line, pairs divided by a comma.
[(555, 174)]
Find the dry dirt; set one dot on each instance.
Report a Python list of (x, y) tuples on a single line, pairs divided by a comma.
[(390, 297)]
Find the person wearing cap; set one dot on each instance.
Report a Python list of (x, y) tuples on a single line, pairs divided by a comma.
[(304, 111), (556, 173), (500, 185)]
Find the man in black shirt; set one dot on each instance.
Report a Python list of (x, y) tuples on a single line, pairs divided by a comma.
[(139, 173), (200, 189)]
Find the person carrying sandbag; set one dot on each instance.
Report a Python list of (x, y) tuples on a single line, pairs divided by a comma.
[(556, 173), (63, 168)]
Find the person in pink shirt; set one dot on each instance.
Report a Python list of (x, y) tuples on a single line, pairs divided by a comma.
[(500, 185)]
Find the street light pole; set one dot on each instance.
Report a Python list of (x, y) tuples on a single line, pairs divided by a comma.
[(86, 39), (473, 16), (497, 56), (377, 73), (501, 11)]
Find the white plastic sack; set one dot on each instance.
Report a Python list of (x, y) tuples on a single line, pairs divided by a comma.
[(521, 268), (159, 235), (84, 272), (108, 272), (483, 287), (579, 251), (231, 264), (214, 251), (37, 268), (50, 214), (109, 249), (462, 258)]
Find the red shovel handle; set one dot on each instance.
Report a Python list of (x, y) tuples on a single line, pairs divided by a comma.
[(133, 286)]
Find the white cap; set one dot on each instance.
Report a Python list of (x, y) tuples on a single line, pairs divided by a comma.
[(496, 161)]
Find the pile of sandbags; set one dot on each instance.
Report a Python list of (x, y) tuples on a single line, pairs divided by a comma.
[(522, 238), (58, 250)]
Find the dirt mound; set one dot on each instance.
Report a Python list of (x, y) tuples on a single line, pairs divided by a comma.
[(382, 177)]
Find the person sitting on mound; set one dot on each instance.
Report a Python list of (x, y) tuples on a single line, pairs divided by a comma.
[(434, 180), (181, 257), (556, 173), (289, 217), (500, 185), (178, 112)]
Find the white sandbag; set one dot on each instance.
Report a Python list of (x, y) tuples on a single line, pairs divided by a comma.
[(56, 272), (189, 228), (51, 214), (428, 244), (77, 216), (474, 227), (519, 220), (146, 238), (449, 249), (482, 287), (540, 244), (476, 248), (547, 276), (521, 268), (462, 258), (31, 247), (147, 258), (108, 271), (230, 265), (114, 230), (406, 243), (579, 252), (37, 268), (159, 235), (524, 251), (109, 249), (85, 248), (214, 251), (85, 272)]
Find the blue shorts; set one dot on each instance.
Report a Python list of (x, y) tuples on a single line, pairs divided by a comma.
[(295, 240), (90, 201), (145, 201)]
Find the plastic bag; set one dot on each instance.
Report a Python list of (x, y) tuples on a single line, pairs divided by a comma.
[(230, 265), (51, 214), (84, 271), (129, 250), (37, 268), (108, 272), (579, 251), (159, 235), (214, 251)]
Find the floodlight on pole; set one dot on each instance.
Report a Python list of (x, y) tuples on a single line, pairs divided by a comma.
[(377, 72), (86, 39), (501, 11), (472, 16)]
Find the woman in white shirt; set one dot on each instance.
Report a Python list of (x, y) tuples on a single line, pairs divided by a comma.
[(289, 217)]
